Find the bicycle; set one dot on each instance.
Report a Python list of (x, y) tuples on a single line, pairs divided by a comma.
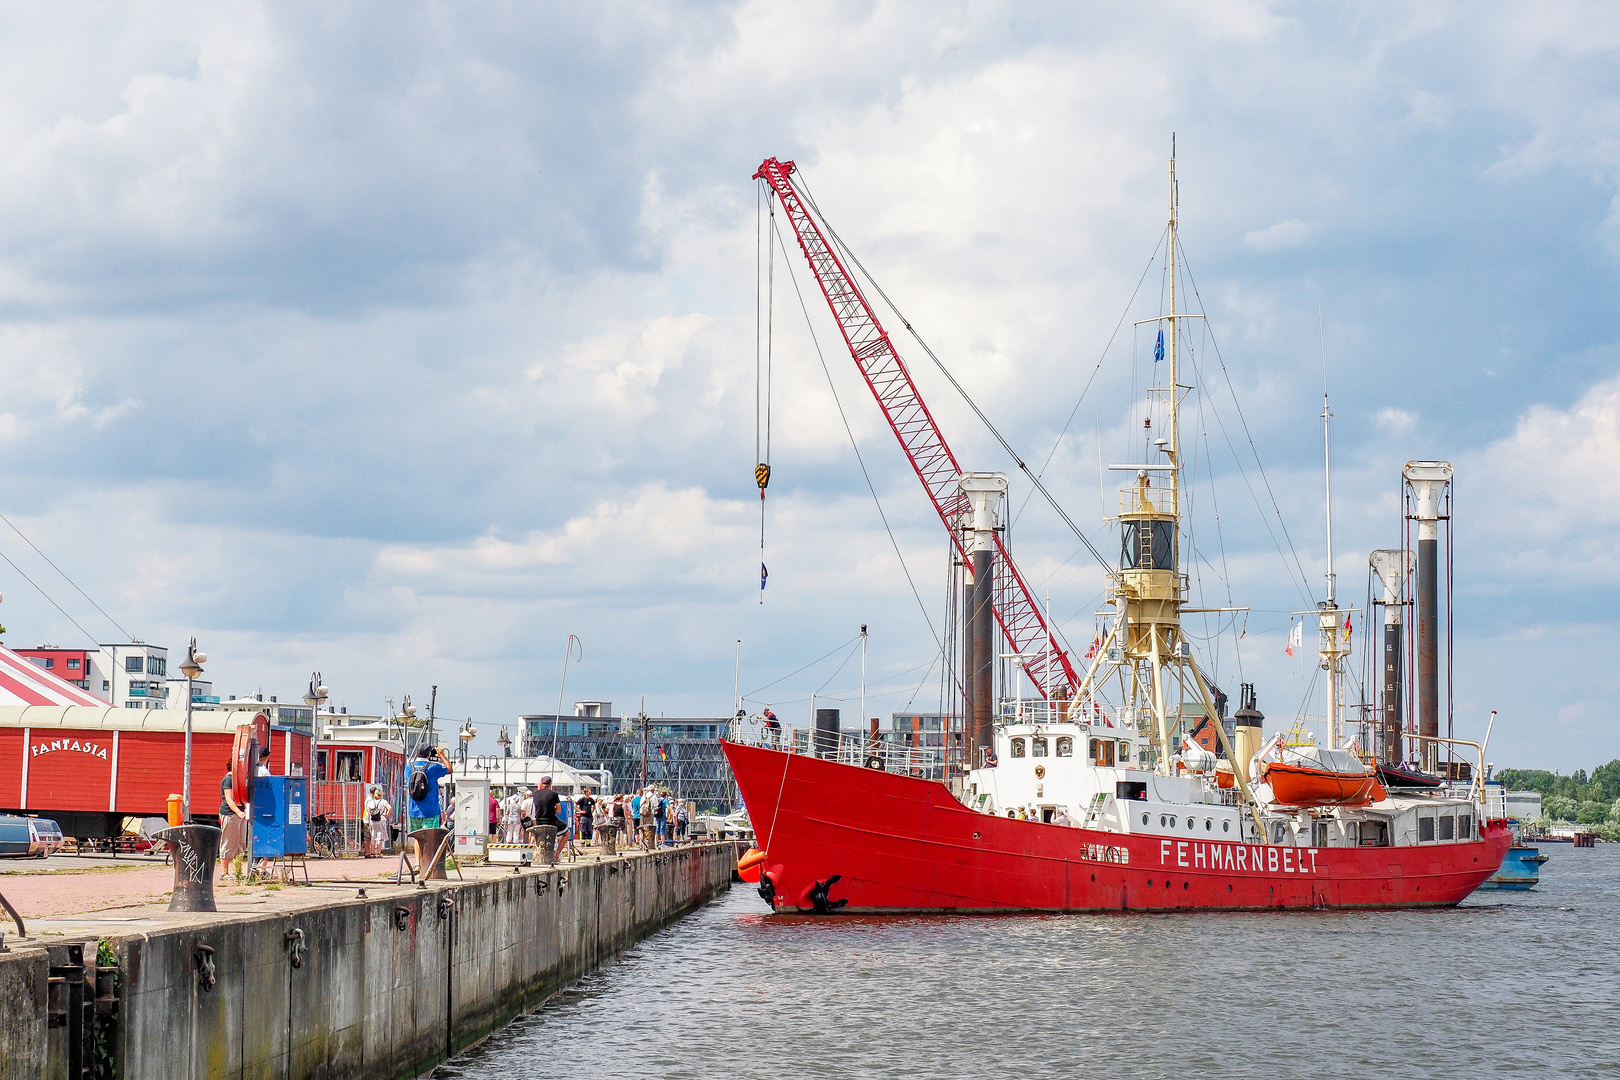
[(325, 838)]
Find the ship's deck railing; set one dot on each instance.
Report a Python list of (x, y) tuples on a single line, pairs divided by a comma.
[(859, 750), (1037, 711)]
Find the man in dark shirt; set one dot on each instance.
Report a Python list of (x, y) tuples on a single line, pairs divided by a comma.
[(585, 812), (546, 804)]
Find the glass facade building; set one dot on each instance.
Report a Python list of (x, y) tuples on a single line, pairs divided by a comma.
[(681, 754)]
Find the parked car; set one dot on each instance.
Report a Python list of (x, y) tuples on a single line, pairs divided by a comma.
[(21, 837)]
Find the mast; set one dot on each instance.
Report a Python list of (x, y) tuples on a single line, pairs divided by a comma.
[(1149, 592), (1332, 640)]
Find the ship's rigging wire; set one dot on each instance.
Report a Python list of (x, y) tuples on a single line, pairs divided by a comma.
[(47, 595), (841, 666), (70, 581), (806, 667), (1084, 390), (794, 278), (1225, 374), (985, 420)]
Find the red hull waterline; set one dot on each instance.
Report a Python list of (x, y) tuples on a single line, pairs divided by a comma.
[(899, 844)]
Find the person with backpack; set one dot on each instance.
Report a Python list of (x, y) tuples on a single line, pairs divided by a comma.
[(660, 819), (681, 822), (424, 787)]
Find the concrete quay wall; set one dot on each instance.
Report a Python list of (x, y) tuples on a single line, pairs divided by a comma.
[(377, 988)]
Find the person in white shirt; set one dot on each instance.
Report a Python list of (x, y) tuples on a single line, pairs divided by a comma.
[(378, 813)]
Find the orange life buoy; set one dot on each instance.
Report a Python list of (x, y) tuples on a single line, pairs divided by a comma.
[(749, 866)]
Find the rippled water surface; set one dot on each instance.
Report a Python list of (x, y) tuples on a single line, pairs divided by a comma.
[(1509, 984)]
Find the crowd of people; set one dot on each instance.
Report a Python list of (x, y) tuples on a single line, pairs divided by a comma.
[(648, 818)]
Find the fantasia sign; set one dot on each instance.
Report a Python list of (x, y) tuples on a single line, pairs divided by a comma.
[(73, 746)]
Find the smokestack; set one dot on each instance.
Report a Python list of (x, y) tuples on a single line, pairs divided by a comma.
[(1428, 481), (1392, 567), (968, 742), (984, 492)]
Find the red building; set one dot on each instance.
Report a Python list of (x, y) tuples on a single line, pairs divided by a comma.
[(67, 755)]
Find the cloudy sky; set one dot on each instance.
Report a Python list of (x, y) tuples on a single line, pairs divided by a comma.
[(404, 341)]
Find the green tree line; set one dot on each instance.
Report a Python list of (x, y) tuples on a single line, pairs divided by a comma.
[(1588, 800)]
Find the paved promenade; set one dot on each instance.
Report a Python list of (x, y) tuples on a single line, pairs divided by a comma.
[(78, 884)]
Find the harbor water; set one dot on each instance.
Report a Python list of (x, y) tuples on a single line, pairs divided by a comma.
[(1508, 984)]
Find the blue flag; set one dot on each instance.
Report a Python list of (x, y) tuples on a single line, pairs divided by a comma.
[(763, 574), (1158, 350)]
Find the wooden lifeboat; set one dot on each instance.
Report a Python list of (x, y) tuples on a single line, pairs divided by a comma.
[(1316, 776)]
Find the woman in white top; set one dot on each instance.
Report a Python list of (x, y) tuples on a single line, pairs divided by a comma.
[(378, 811)]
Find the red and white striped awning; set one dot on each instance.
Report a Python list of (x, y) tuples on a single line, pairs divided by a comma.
[(23, 683)]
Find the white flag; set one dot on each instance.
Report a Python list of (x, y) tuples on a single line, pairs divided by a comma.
[(1295, 637)]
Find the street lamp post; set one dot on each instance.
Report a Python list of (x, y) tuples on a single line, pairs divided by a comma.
[(504, 741), (466, 734), (193, 847), (191, 667), (314, 697)]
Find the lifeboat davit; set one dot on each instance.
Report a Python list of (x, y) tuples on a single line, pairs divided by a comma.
[(1318, 776)]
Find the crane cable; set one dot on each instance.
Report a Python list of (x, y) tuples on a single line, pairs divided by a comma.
[(762, 413), (1005, 445), (854, 445)]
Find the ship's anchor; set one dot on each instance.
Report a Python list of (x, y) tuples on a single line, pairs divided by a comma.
[(818, 897), (767, 889)]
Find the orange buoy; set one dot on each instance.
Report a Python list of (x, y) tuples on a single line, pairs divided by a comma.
[(749, 866)]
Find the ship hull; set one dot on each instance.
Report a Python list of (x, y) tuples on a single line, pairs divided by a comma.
[(843, 839)]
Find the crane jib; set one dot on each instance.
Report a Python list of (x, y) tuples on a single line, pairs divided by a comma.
[(924, 445)]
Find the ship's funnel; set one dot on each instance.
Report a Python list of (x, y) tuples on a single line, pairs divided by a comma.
[(1392, 568), (1248, 733), (984, 493), (1428, 481)]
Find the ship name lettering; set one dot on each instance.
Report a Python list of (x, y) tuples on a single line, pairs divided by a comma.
[(1242, 859), (1288, 860), (1107, 854), (1271, 860), (1181, 853), (1198, 855)]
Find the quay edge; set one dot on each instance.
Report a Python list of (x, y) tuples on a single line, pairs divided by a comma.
[(386, 987)]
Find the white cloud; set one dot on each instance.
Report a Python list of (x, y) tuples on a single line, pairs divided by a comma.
[(1284, 234), (408, 341), (1395, 421)]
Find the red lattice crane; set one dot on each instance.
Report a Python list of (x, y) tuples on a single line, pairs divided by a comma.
[(1016, 611)]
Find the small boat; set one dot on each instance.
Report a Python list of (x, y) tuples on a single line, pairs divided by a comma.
[(1404, 776), (1306, 775), (1521, 869)]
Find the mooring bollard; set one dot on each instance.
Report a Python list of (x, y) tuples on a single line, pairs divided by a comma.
[(546, 840), (610, 837), (195, 848), (430, 850)]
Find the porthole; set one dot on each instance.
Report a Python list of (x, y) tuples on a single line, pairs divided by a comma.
[(1144, 819), (1172, 821), (1186, 885), (1192, 823), (1093, 877), (1162, 820), (1209, 826), (1226, 826)]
